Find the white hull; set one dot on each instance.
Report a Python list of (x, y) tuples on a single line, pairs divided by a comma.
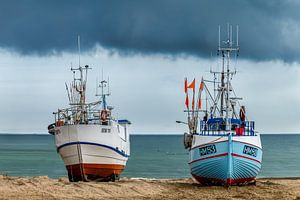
[(91, 153), (91, 146), (202, 140)]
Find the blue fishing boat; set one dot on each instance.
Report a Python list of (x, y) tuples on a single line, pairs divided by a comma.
[(224, 147)]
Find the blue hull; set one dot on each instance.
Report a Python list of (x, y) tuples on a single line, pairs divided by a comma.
[(225, 163)]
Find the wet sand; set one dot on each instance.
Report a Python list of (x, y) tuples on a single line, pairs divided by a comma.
[(46, 188)]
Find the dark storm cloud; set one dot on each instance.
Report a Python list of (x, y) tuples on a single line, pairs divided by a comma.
[(268, 29)]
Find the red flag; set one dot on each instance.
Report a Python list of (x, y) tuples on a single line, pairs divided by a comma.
[(199, 95), (187, 101), (199, 102), (192, 85), (193, 103), (185, 85), (201, 84)]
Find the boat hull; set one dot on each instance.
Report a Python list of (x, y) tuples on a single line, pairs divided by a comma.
[(89, 154), (101, 172), (225, 160)]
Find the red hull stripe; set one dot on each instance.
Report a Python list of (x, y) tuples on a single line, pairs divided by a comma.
[(215, 181), (225, 154), (100, 170), (226, 141), (237, 155), (215, 156)]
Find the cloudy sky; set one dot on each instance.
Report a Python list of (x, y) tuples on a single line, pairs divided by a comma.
[(146, 48)]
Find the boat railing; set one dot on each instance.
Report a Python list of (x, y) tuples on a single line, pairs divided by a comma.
[(244, 128), (80, 115)]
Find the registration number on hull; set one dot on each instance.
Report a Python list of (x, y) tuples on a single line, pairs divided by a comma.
[(251, 151), (206, 150)]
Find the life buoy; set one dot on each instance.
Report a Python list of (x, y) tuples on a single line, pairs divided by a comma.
[(103, 115), (51, 126)]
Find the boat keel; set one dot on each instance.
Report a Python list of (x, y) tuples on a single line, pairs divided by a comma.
[(225, 182)]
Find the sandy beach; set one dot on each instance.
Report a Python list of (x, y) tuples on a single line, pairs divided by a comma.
[(45, 188)]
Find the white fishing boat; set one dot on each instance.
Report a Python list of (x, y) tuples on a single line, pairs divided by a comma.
[(92, 143), (225, 149)]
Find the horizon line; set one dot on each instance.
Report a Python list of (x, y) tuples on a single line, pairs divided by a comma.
[(146, 133)]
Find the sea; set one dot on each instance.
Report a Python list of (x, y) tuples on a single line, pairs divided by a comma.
[(152, 156)]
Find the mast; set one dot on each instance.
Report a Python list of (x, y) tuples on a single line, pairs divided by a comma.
[(222, 85), (226, 50), (79, 85), (104, 94), (102, 85)]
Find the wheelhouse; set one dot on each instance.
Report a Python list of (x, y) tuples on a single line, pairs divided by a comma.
[(217, 126)]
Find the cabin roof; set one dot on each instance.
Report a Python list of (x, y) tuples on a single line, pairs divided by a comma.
[(124, 121), (220, 120)]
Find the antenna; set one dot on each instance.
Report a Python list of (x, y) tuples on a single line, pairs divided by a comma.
[(237, 35), (230, 35), (68, 92), (96, 86), (219, 37), (211, 59), (78, 43), (214, 82), (108, 85)]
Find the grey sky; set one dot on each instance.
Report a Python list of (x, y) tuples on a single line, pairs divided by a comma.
[(268, 29), (148, 90)]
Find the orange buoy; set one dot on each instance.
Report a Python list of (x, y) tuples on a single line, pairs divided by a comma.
[(60, 123)]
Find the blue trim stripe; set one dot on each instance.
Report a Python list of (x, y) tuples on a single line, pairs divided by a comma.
[(95, 144)]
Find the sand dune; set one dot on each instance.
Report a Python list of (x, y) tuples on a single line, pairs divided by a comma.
[(46, 188)]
